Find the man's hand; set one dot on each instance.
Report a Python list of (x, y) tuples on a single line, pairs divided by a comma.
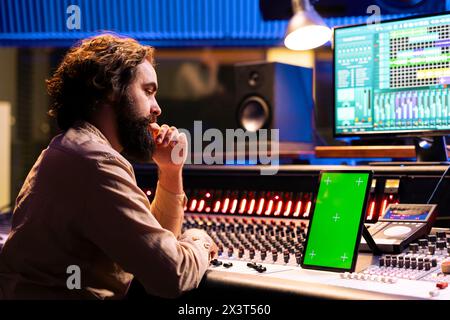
[(170, 147), (214, 251), (169, 154)]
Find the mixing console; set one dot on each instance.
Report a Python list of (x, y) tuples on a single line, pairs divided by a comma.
[(272, 241), (273, 249), (260, 224)]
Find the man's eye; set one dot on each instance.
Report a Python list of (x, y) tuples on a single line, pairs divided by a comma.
[(149, 92)]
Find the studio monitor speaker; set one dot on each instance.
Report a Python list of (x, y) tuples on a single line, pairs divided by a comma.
[(274, 95)]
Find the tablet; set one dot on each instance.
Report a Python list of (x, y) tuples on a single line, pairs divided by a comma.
[(338, 215)]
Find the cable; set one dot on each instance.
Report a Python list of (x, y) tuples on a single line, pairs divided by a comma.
[(438, 184)]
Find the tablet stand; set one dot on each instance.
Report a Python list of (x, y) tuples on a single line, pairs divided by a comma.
[(370, 242)]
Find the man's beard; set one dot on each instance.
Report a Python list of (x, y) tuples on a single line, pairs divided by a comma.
[(134, 132)]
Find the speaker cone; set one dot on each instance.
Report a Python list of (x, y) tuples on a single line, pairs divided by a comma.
[(253, 113)]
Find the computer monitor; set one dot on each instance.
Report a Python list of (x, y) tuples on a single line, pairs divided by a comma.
[(393, 79)]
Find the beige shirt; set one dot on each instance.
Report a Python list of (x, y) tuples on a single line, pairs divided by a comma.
[(80, 206)]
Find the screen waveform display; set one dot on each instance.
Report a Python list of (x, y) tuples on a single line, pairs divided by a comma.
[(393, 77)]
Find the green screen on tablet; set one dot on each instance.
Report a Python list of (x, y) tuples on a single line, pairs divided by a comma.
[(336, 224)]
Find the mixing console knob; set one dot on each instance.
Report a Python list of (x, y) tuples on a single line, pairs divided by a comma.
[(420, 265), (440, 234), (413, 247), (263, 254), (298, 258), (440, 244), (448, 242), (401, 262), (274, 255), (388, 261), (427, 266), (423, 243), (432, 238), (413, 263), (230, 251), (241, 252), (434, 262), (286, 256), (431, 249), (394, 262), (252, 253), (407, 262), (299, 247), (381, 262), (220, 249)]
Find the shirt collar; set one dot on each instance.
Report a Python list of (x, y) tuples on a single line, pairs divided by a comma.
[(87, 126)]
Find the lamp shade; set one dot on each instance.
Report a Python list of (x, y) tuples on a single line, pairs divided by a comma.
[(306, 30)]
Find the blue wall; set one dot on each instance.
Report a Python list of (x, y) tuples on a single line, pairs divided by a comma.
[(156, 22)]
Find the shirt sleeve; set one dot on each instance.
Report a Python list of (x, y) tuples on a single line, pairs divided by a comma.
[(168, 209), (119, 222)]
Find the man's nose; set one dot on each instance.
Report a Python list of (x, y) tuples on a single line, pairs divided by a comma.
[(155, 109)]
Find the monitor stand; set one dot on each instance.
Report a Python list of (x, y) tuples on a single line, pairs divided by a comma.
[(429, 151)]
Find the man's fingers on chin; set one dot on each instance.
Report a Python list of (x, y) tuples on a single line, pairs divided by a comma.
[(162, 133), (154, 126)]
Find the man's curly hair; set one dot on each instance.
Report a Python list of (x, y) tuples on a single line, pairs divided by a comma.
[(97, 70)]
